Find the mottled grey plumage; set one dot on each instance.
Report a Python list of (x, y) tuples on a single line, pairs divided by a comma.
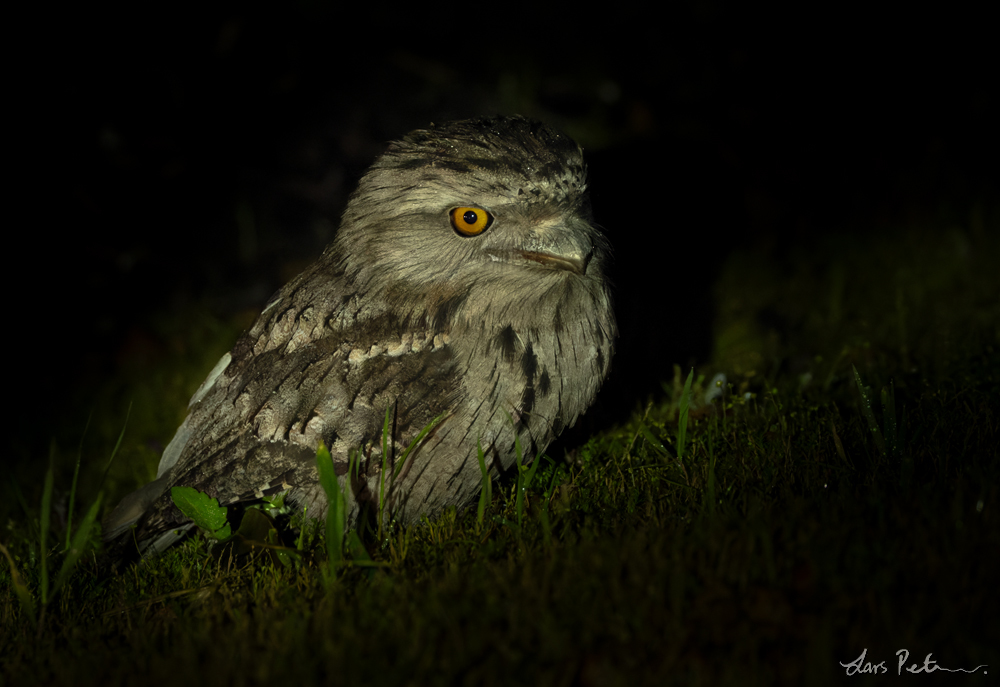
[(507, 333)]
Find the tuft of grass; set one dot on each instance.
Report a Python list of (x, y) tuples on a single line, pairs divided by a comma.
[(524, 477), (388, 449), (76, 543)]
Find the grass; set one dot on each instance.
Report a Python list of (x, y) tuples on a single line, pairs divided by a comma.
[(839, 496)]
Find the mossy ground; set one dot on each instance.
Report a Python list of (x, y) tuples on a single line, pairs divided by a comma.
[(785, 541)]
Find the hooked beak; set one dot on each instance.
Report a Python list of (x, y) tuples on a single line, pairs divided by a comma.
[(560, 245), (574, 261)]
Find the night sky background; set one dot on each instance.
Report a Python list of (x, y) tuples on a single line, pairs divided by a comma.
[(175, 156)]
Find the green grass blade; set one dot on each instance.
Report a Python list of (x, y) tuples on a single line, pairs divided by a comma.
[(381, 477), (486, 492), (20, 588), (653, 441), (44, 533), (77, 545), (72, 491), (529, 476), (866, 409), (335, 512), (682, 415), (302, 532), (358, 552), (416, 442), (525, 483), (114, 452), (519, 495), (543, 514)]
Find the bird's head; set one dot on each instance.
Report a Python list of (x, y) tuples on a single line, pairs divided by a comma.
[(497, 204)]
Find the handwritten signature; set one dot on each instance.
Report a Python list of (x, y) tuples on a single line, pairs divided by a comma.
[(862, 666)]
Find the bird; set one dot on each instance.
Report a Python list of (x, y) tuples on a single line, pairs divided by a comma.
[(465, 291)]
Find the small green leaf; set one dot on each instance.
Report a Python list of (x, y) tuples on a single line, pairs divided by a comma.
[(203, 510)]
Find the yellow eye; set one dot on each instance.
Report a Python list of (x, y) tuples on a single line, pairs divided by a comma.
[(470, 221)]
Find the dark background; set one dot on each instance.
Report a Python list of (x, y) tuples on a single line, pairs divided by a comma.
[(203, 155)]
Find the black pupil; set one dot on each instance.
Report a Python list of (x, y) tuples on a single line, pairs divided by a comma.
[(470, 217)]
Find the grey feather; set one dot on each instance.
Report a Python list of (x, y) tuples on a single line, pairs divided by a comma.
[(507, 333)]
